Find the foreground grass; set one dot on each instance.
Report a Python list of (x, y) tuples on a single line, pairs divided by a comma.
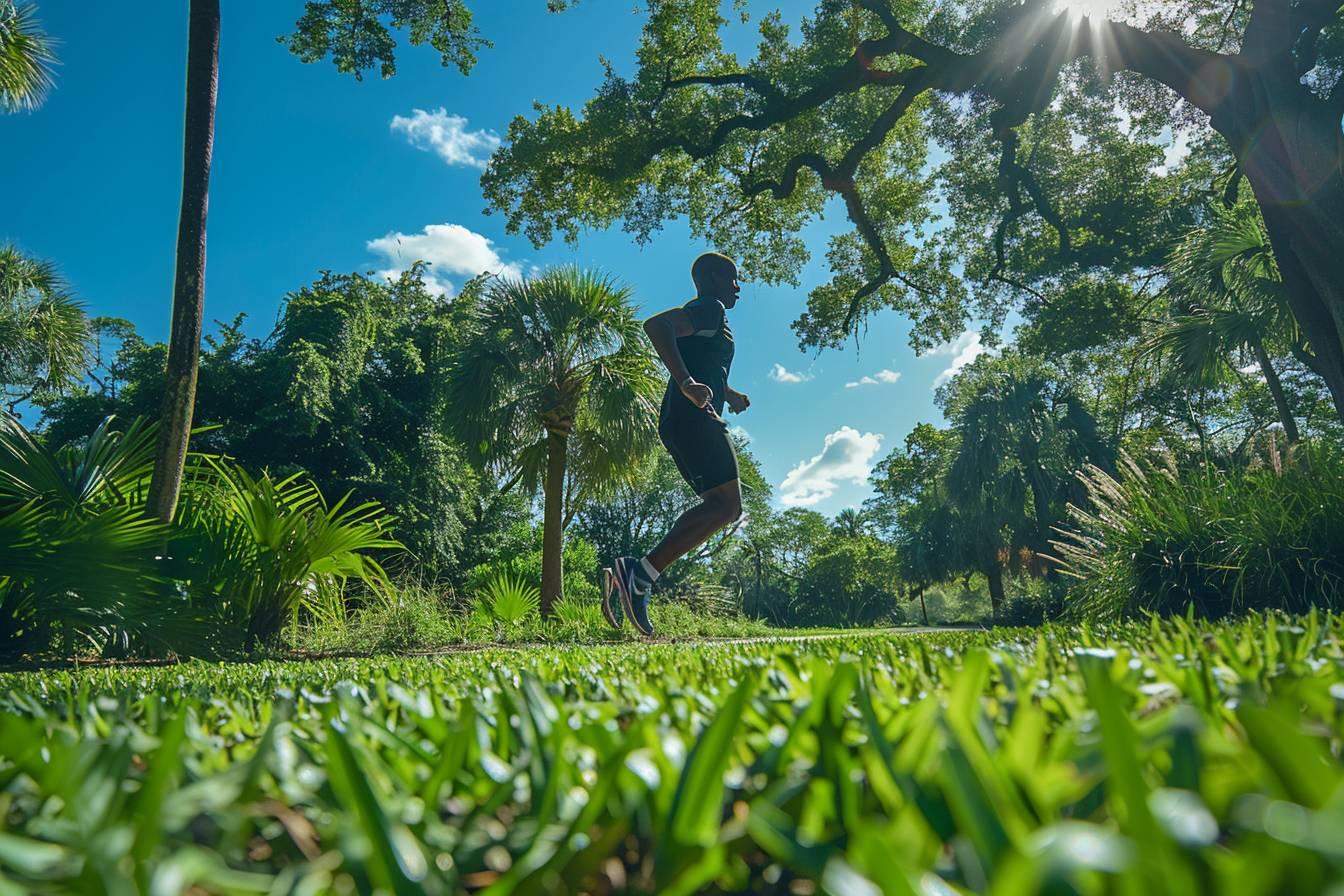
[(1168, 758)]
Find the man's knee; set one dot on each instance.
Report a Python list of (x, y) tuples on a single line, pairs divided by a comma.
[(727, 506)]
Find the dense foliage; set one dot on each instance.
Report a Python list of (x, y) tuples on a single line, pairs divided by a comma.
[(349, 390), (1163, 758), (1212, 540), (988, 155), (84, 569)]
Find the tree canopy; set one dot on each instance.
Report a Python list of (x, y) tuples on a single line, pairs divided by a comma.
[(986, 154)]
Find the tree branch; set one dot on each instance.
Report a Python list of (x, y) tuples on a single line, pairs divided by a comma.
[(1019, 71)]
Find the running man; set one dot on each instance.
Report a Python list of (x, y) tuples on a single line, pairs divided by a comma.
[(696, 344)]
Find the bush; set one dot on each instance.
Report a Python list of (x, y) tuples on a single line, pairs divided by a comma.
[(1159, 539), (579, 558), (510, 599), (1033, 601), (273, 552), (84, 569), (79, 560), (852, 582)]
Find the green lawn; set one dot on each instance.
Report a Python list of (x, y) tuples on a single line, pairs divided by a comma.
[(1170, 758)]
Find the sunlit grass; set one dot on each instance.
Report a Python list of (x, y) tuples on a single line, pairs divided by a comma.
[(1154, 758)]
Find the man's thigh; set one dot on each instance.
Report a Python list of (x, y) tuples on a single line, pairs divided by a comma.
[(702, 451)]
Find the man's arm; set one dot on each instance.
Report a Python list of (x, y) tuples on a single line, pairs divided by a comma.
[(737, 401), (664, 330)]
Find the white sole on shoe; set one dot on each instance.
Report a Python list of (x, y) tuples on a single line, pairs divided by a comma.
[(608, 583)]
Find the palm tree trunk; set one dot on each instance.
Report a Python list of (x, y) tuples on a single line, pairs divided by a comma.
[(552, 527), (923, 608), (184, 344), (1276, 389), (994, 573)]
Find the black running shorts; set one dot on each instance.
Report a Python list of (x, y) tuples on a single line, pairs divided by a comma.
[(698, 442)]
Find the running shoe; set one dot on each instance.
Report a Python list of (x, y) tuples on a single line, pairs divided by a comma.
[(634, 593)]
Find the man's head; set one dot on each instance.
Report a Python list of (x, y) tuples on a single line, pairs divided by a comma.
[(715, 276)]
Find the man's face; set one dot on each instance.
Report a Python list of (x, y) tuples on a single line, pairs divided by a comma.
[(729, 288)]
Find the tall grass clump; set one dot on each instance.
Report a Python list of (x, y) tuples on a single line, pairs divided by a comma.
[(1265, 536)]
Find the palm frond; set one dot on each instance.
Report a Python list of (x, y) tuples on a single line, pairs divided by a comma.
[(27, 59)]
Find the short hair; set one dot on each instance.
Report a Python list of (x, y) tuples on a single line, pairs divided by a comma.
[(708, 263)]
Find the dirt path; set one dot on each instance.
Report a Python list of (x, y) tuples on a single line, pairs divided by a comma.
[(450, 649)]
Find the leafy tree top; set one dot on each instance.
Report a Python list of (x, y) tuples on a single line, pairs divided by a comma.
[(357, 34), (1035, 129)]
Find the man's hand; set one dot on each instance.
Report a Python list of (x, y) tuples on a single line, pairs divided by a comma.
[(737, 401), (697, 394)]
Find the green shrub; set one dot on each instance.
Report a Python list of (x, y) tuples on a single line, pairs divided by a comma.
[(510, 599), (84, 569), (80, 562), (415, 617), (1159, 539), (579, 559), (274, 552), (852, 582)]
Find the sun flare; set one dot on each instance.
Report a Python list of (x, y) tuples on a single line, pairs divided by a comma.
[(1094, 10)]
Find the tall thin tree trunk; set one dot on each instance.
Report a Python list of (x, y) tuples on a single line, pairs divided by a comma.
[(994, 573), (757, 562), (923, 608), (184, 343), (552, 531), (1276, 389)]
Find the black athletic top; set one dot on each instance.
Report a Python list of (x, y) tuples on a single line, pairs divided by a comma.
[(708, 353)]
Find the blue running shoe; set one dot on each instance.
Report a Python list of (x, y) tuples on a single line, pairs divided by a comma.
[(634, 593), (611, 601)]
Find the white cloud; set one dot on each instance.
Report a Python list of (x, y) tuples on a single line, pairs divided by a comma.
[(964, 349), (449, 249), (447, 136), (738, 432), (882, 376), (845, 456), (780, 375)]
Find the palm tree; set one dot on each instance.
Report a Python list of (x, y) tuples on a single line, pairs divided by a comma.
[(184, 339), (556, 384), (44, 332), (1022, 436), (27, 55), (1232, 302), (849, 523)]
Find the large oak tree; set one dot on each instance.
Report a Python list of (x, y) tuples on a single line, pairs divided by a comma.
[(1039, 130)]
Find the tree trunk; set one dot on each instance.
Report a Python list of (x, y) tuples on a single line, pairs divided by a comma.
[(923, 609), (552, 527), (994, 573), (184, 343), (757, 562), (1276, 389), (1288, 144)]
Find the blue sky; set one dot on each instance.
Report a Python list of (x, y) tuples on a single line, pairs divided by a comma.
[(311, 173)]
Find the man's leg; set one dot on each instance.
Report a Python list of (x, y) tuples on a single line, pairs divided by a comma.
[(718, 507), (704, 455), (632, 578)]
